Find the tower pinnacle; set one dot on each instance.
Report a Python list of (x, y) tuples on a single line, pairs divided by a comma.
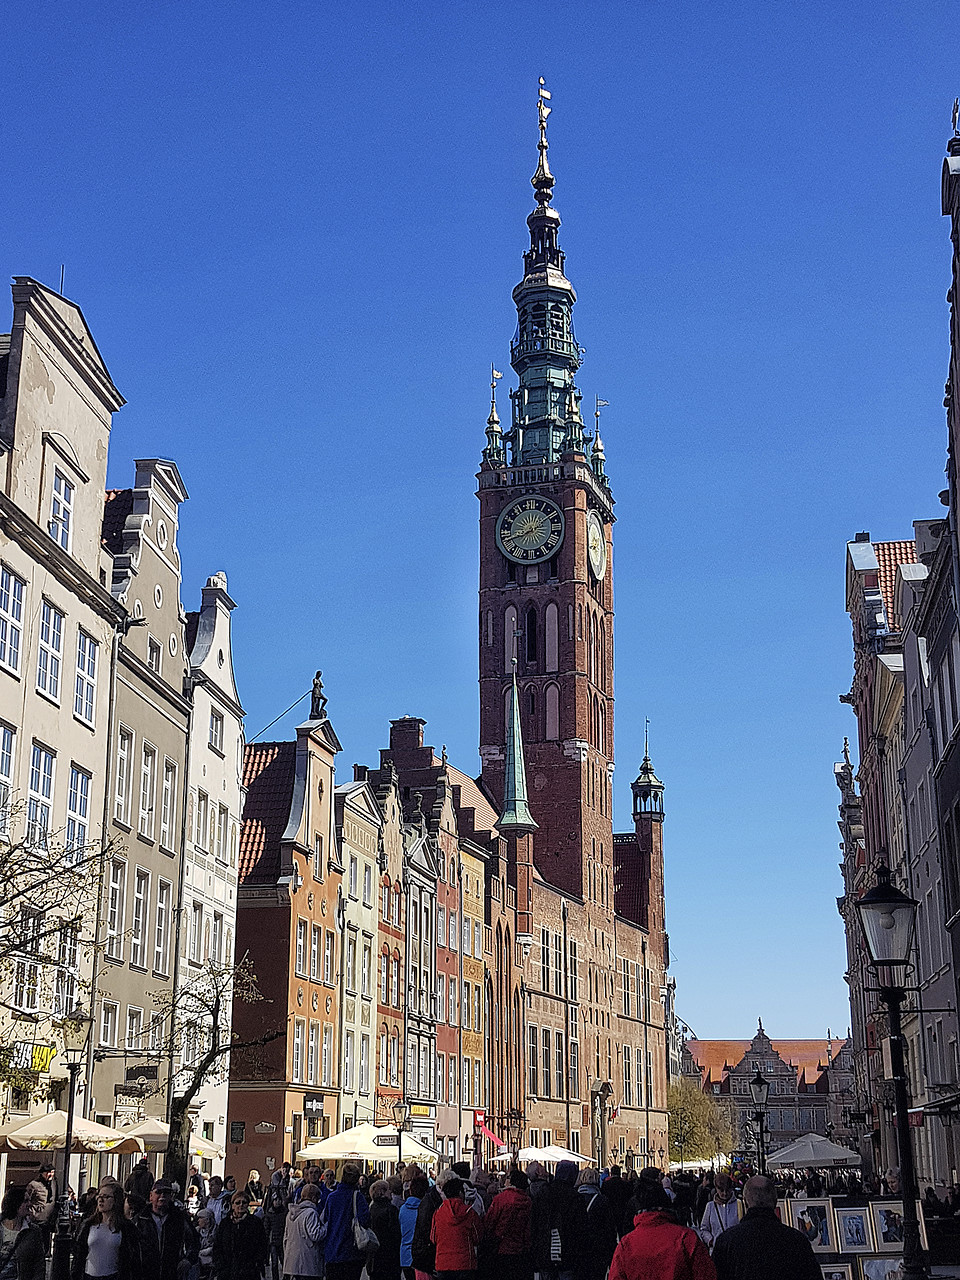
[(494, 452)]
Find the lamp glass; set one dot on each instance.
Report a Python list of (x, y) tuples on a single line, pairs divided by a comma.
[(888, 918), (759, 1090), (75, 1029), (400, 1111)]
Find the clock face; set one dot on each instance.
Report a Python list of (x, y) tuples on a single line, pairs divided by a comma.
[(596, 545), (530, 529)]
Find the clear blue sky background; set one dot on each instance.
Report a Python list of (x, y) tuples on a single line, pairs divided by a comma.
[(294, 229)]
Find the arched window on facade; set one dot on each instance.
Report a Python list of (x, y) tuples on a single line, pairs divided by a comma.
[(552, 711), (532, 639), (551, 638)]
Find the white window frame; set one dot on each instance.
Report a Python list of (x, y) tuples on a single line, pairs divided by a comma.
[(43, 764), (168, 804), (313, 1052), (367, 885), (196, 931), (78, 808), (316, 953), (326, 1055), (148, 790), (364, 1080), (299, 1048), (116, 907), (12, 591), (26, 982), (223, 822), (348, 1058), (353, 877), (8, 758), (50, 650), (154, 654), (65, 984), (203, 820), (124, 780), (109, 1023), (60, 526), (215, 736), (366, 966), (138, 927), (134, 1036), (85, 691), (300, 960), (161, 937)]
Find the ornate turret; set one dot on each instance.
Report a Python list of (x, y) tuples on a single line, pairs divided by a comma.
[(494, 453), (516, 818), (544, 351), (647, 788)]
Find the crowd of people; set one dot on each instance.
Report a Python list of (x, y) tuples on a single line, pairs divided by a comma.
[(464, 1224)]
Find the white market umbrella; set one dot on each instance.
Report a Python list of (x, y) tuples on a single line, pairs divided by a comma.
[(367, 1142), (813, 1151), (49, 1132), (155, 1135), (546, 1155)]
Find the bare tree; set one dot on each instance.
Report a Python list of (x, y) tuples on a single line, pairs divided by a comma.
[(49, 886), (198, 1025)]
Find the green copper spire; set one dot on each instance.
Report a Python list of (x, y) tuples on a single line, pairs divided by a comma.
[(516, 816), (544, 352)]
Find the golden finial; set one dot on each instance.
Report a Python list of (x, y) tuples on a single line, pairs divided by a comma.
[(543, 179)]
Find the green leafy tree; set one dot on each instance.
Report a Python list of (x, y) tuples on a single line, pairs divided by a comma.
[(697, 1124)]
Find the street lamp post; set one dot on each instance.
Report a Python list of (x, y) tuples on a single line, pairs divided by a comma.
[(888, 918), (760, 1092), (76, 1031), (661, 1153), (400, 1112)]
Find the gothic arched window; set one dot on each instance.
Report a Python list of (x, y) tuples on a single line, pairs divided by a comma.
[(552, 708), (530, 627), (551, 638)]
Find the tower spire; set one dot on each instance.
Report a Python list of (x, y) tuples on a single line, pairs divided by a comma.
[(516, 816)]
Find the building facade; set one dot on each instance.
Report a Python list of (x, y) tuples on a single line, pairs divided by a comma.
[(58, 627), (291, 922)]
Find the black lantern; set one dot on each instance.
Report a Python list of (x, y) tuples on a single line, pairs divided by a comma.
[(888, 918), (759, 1091)]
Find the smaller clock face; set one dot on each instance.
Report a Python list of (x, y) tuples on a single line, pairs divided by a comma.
[(596, 545), (530, 529)]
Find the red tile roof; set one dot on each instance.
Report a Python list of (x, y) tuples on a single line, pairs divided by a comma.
[(889, 556), (805, 1055), (117, 505), (269, 769)]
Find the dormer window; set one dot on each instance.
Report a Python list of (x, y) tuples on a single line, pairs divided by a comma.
[(61, 510)]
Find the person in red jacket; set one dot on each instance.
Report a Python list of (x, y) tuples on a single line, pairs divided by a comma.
[(658, 1248), (455, 1232), (506, 1229)]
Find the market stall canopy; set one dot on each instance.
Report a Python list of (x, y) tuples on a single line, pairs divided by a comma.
[(546, 1155), (367, 1142), (813, 1151), (49, 1132), (155, 1135)]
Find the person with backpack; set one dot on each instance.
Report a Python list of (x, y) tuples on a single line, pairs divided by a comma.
[(275, 1205), (601, 1222), (344, 1210), (558, 1226)]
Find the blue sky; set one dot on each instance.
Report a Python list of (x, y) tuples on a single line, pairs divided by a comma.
[(294, 228)]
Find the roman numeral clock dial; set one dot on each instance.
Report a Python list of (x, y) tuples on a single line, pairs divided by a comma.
[(530, 529)]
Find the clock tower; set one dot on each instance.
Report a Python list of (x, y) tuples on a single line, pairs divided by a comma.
[(546, 580)]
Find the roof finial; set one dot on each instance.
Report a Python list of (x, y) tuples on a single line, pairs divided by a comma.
[(956, 116), (646, 739), (543, 179)]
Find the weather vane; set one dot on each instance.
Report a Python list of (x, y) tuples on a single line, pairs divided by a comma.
[(956, 115)]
